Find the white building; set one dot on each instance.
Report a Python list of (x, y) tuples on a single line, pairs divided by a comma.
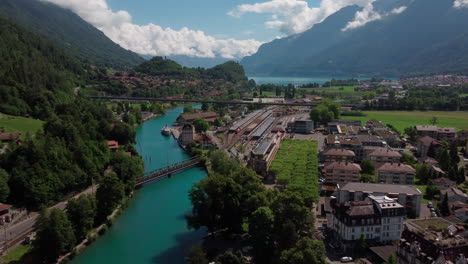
[(379, 218)]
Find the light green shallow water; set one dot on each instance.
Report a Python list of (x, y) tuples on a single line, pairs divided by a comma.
[(152, 229)]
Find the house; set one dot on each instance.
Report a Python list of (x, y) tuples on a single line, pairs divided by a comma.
[(112, 144), (428, 161), (439, 133), (371, 140), (5, 213), (205, 141), (188, 134), (375, 125), (425, 143), (398, 173), (10, 136), (209, 117), (337, 154), (407, 195), (433, 240), (391, 138), (341, 171), (462, 214), (348, 122), (380, 155), (443, 183), (379, 218), (301, 126), (264, 153), (454, 194)]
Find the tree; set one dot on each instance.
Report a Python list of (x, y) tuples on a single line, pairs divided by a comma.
[(408, 159), (306, 251), (81, 213), (55, 235), (433, 121), (423, 173), (261, 231), (127, 168), (453, 152), (188, 110), (108, 195), (411, 132), (229, 257), (4, 188), (391, 259), (205, 106), (201, 125), (444, 160), (431, 191), (325, 112), (367, 178), (196, 256), (444, 206), (123, 133), (361, 244), (367, 167)]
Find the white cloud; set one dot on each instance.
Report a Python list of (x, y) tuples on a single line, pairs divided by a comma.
[(368, 14), (295, 16), (460, 3), (152, 39)]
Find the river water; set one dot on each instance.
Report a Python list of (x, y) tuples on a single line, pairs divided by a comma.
[(152, 229)]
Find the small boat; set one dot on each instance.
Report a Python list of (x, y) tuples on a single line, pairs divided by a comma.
[(166, 131)]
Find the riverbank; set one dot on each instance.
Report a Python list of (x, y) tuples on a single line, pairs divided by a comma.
[(152, 229)]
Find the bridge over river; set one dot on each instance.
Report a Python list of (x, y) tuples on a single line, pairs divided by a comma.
[(167, 171), (136, 99)]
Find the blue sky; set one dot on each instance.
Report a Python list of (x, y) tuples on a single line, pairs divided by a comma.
[(209, 16)]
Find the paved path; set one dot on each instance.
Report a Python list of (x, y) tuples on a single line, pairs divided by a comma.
[(11, 233)]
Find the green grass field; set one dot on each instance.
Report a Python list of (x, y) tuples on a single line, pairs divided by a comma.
[(404, 119), (296, 166), (16, 254), (21, 124)]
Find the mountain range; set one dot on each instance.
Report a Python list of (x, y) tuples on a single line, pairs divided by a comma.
[(67, 30), (428, 36)]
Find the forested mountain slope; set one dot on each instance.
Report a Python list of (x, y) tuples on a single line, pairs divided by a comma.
[(69, 31)]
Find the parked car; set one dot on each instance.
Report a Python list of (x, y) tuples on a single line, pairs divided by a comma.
[(430, 205), (346, 259)]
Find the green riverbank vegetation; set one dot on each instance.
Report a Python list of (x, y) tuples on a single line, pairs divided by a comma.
[(236, 208)]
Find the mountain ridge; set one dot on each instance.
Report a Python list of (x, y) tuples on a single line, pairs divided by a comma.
[(397, 44), (66, 29)]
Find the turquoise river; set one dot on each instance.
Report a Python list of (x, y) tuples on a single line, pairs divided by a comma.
[(152, 229)]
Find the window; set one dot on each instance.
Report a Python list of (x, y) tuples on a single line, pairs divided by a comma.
[(362, 229)]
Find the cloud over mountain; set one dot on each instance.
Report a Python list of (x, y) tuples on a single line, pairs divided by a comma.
[(295, 16), (152, 39)]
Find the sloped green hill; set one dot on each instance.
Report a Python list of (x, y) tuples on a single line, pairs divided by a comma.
[(69, 31)]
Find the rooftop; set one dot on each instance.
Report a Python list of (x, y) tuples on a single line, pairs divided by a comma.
[(427, 141), (263, 147), (199, 115), (427, 128), (380, 188), (396, 167), (4, 207), (9, 136), (346, 166), (384, 152), (338, 152)]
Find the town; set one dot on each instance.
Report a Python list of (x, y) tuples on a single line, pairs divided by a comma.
[(402, 195)]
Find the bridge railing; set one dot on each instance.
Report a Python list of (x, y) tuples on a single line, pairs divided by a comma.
[(167, 169)]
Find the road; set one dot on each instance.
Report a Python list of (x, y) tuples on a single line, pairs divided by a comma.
[(10, 233)]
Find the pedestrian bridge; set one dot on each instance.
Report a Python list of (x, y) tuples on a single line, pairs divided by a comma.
[(167, 171)]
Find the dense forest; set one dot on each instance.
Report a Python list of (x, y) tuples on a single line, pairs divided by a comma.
[(228, 71), (61, 26), (70, 152)]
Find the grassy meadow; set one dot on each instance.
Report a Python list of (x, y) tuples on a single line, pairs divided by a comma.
[(403, 119), (19, 123)]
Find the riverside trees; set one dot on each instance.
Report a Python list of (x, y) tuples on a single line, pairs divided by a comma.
[(231, 201)]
